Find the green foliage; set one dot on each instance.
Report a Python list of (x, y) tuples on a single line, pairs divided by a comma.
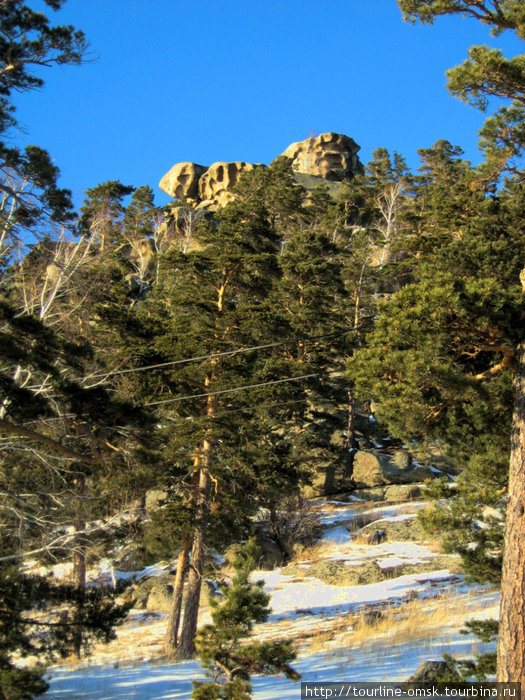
[(483, 666), (439, 361), (103, 211), (224, 648), (508, 14), (29, 189), (36, 620)]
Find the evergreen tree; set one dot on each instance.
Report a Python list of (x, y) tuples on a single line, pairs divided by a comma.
[(28, 178), (56, 432), (487, 73), (210, 303), (224, 647)]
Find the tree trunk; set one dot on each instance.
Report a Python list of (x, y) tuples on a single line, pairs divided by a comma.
[(79, 581), (350, 424), (186, 647), (511, 637), (178, 588)]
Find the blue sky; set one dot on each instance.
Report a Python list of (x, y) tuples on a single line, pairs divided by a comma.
[(209, 80)]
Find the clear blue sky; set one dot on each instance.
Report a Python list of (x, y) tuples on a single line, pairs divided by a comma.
[(209, 80)]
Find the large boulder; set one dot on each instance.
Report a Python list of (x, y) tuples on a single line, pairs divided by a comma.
[(182, 180), (329, 479), (402, 492), (372, 468), (201, 185), (331, 156), (160, 597), (219, 178)]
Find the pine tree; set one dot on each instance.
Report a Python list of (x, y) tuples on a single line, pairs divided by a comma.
[(487, 73), (209, 303), (55, 430), (28, 178), (224, 647)]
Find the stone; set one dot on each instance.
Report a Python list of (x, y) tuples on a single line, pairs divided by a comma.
[(377, 493), (159, 594), (139, 592), (331, 156), (330, 478), (219, 178), (408, 530), (154, 499), (160, 597), (372, 468), (402, 492), (182, 181)]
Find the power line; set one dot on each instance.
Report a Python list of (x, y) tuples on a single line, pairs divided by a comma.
[(218, 354), (191, 419), (231, 391)]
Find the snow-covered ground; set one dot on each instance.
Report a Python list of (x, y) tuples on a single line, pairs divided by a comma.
[(323, 619)]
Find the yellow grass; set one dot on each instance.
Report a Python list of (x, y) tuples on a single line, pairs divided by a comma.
[(412, 620)]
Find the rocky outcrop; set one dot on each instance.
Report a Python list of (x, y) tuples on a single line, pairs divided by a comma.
[(330, 156), (182, 181), (219, 178), (328, 480), (202, 186), (372, 468)]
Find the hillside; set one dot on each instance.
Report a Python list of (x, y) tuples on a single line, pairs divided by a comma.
[(356, 612)]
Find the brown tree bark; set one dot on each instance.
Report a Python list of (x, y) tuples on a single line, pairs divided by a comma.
[(186, 647), (350, 423), (172, 632), (79, 582), (511, 637)]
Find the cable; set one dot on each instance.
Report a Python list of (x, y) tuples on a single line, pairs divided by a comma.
[(191, 419), (231, 391), (217, 354)]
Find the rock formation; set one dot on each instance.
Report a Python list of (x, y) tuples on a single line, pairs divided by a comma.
[(201, 186), (330, 156), (218, 179), (373, 468), (182, 181)]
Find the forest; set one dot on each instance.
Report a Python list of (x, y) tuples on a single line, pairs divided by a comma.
[(223, 358)]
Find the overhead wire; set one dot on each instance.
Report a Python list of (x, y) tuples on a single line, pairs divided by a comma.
[(198, 419), (238, 388), (226, 353), (231, 390)]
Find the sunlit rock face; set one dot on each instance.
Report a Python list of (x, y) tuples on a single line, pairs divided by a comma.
[(219, 178), (182, 180), (330, 156)]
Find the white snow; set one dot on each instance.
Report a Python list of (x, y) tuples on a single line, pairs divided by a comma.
[(302, 607)]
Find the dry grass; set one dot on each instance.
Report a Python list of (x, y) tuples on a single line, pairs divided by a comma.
[(310, 554), (412, 620)]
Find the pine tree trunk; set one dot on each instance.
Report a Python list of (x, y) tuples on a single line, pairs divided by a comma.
[(79, 582), (172, 632), (186, 647), (511, 637), (350, 424)]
